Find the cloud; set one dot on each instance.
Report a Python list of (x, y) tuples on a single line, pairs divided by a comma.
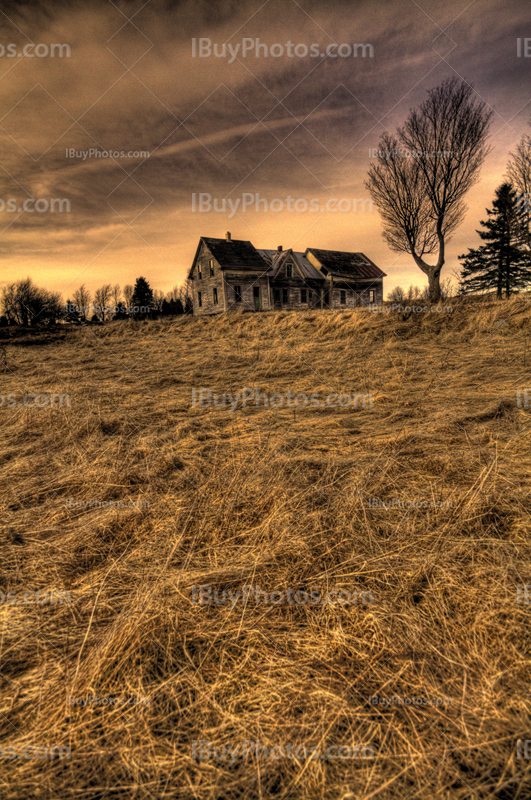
[(131, 83)]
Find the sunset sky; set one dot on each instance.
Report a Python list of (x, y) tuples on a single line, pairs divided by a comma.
[(300, 126)]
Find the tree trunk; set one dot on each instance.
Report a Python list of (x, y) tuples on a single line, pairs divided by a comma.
[(434, 285), (433, 271), (499, 287)]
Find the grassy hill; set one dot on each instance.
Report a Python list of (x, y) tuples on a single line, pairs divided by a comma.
[(416, 504)]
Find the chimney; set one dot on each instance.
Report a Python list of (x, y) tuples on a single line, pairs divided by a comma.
[(228, 236), (279, 248)]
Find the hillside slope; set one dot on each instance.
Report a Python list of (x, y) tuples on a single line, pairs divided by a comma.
[(415, 501)]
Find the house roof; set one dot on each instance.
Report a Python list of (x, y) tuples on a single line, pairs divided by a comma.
[(347, 265), (309, 270), (275, 259), (236, 254), (240, 254)]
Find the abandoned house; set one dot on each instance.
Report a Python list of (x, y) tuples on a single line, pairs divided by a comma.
[(231, 275)]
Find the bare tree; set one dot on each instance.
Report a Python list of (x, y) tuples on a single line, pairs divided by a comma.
[(396, 295), (519, 166), (448, 287), (158, 299), (174, 294), (423, 172), (101, 299), (186, 295), (7, 303), (418, 294), (519, 174), (82, 300), (116, 297), (24, 303), (128, 296)]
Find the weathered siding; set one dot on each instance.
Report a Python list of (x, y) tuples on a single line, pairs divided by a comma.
[(294, 288), (247, 283), (207, 284), (356, 296)]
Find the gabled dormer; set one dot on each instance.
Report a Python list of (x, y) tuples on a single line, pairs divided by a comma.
[(286, 267)]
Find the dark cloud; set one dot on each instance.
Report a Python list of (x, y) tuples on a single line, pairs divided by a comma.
[(275, 126)]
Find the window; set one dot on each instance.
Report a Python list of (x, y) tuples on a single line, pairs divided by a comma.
[(199, 271), (289, 271), (256, 297), (276, 296), (343, 297), (199, 299), (211, 264), (284, 297), (215, 296), (371, 296), (303, 295), (237, 294)]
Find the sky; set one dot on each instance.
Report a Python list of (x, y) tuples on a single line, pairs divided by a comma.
[(255, 124)]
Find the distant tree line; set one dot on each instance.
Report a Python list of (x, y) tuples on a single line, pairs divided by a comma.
[(419, 294), (24, 303)]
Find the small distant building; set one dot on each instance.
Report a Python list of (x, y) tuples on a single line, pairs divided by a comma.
[(231, 274)]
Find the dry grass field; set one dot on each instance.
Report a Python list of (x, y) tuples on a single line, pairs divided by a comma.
[(131, 496)]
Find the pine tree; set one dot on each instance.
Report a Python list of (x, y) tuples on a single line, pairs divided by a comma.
[(71, 313), (503, 264), (171, 307), (142, 298), (121, 311)]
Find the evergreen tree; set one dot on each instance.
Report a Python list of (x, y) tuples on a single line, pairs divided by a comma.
[(142, 298), (171, 307), (503, 264), (121, 311), (71, 313)]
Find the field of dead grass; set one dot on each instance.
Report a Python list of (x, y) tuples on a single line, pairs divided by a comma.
[(276, 498)]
